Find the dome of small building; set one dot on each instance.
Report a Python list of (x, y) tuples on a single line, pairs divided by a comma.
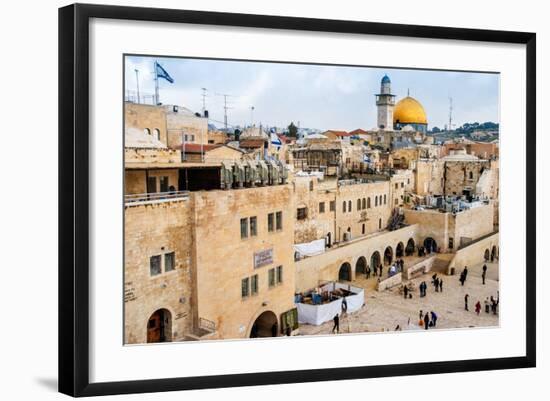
[(409, 111), (386, 80)]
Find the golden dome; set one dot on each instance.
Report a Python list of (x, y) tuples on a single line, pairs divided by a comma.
[(409, 111)]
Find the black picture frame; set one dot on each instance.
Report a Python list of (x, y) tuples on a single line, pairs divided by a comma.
[(74, 198)]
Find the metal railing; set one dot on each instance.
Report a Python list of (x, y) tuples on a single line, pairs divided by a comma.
[(155, 197)]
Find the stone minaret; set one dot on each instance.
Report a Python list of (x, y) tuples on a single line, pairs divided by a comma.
[(385, 103)]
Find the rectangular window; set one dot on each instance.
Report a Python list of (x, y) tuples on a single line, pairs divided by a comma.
[(396, 201), (332, 206), (279, 221), (163, 184), (321, 207), (270, 222), (169, 261), (192, 138), (451, 243), (245, 291), (254, 284), (402, 185), (279, 274), (154, 265), (396, 185), (253, 226), (301, 213), (271, 277), (244, 228)]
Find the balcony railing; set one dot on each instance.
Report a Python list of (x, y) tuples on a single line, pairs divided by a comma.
[(155, 197)]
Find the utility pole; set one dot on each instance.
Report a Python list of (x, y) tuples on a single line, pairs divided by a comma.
[(156, 84), (137, 84)]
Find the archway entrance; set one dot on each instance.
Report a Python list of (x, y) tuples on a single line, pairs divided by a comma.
[(486, 255), (361, 266), (493, 253), (430, 245), (344, 274), (399, 250), (159, 327), (375, 260), (409, 250), (265, 325), (388, 255)]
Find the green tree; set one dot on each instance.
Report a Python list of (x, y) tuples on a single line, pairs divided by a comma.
[(292, 130)]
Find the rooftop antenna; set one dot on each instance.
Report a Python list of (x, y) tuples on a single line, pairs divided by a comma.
[(225, 107), (450, 114), (408, 92), (204, 90)]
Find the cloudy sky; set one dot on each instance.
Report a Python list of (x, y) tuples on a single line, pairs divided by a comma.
[(316, 96)]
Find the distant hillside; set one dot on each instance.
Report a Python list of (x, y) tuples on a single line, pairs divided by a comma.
[(486, 132)]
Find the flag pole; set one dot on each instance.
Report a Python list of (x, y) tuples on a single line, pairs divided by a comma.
[(156, 84)]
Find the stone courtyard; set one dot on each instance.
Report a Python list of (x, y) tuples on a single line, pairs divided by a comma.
[(384, 311)]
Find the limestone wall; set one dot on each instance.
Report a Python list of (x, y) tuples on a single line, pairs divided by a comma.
[(157, 229), (178, 123), (151, 156), (223, 258), (429, 177), (463, 175), (142, 116), (474, 253)]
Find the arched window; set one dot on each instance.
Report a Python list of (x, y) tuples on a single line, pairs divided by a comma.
[(375, 201), (364, 204), (344, 206), (358, 204), (349, 206), (471, 175), (379, 224), (384, 199), (156, 134), (147, 131), (368, 203)]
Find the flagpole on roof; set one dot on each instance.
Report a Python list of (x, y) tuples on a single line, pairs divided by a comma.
[(156, 84)]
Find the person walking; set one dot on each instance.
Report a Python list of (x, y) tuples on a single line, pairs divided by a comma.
[(344, 306), (440, 285), (381, 267), (374, 270), (436, 284), (465, 272), (478, 307), (426, 321), (434, 318), (462, 278), (487, 305), (336, 327), (367, 272), (483, 277), (405, 291), (466, 301)]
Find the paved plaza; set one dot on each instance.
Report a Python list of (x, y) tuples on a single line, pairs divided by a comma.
[(385, 310)]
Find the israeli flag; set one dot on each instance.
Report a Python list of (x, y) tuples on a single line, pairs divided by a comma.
[(161, 73), (275, 140)]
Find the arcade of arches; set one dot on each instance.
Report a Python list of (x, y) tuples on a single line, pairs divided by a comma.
[(159, 326)]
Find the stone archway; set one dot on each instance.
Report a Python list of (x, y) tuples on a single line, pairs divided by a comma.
[(430, 245), (159, 326), (388, 255), (399, 250), (375, 260), (361, 266), (265, 325), (344, 274), (494, 253), (486, 255), (409, 250)]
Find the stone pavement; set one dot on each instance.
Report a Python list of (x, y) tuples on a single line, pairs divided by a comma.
[(383, 311)]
